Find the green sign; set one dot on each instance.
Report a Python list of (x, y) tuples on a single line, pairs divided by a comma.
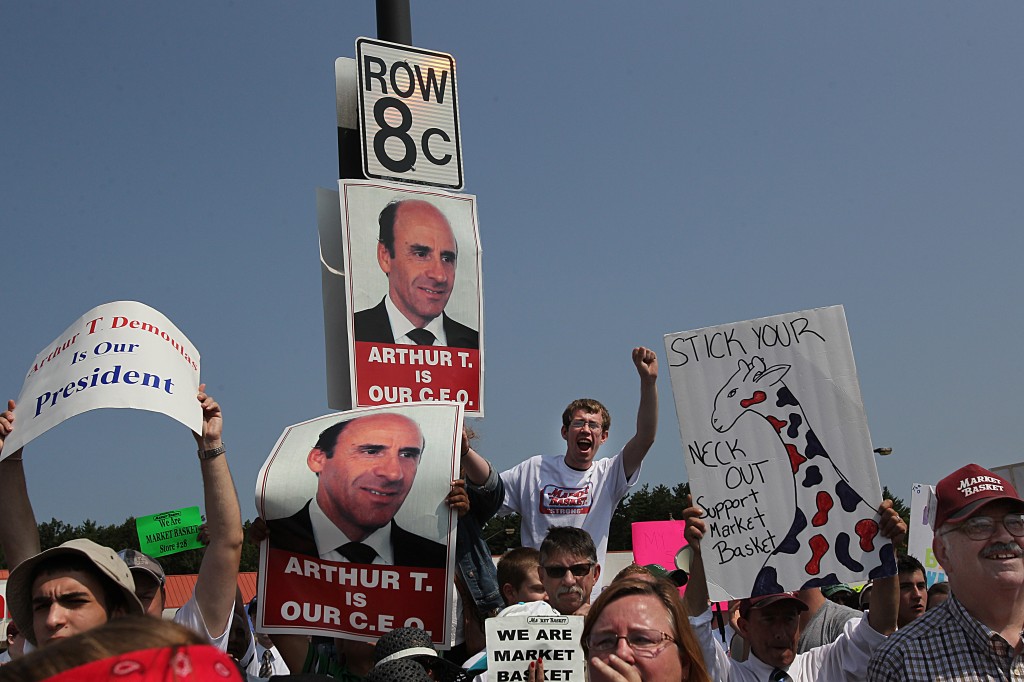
[(170, 532)]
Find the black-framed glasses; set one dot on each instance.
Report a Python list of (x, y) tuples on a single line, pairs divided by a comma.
[(578, 570), (580, 423), (644, 642), (984, 527)]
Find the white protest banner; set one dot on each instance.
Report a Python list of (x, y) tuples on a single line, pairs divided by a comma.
[(360, 538), (414, 285), (121, 354), (919, 544), (514, 641), (778, 453)]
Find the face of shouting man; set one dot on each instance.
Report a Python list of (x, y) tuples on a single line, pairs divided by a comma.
[(583, 436), (364, 481)]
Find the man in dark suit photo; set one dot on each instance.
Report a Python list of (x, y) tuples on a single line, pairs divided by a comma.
[(365, 469), (417, 251)]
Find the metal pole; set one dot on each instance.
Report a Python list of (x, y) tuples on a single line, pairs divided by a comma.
[(394, 23)]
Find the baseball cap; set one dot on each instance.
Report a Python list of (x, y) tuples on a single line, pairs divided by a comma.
[(831, 590), (677, 577), (767, 600), (411, 645), (137, 561), (967, 490), (110, 566)]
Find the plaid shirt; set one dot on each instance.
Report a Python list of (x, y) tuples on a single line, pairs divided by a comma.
[(946, 643)]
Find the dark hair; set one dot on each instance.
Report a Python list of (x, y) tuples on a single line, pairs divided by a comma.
[(514, 567), (329, 437), (568, 540), (120, 636), (587, 405), (112, 599), (908, 564), (938, 588), (667, 594), (386, 220)]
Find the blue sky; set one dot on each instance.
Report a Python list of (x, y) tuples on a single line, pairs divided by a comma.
[(640, 168)]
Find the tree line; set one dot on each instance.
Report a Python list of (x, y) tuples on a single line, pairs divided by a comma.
[(660, 503)]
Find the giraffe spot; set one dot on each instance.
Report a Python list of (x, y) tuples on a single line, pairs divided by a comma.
[(814, 446), (795, 420), (791, 543), (848, 497), (767, 582), (758, 397), (824, 502), (785, 397), (866, 529), (795, 458), (888, 565), (822, 581), (812, 477), (818, 545), (843, 554), (777, 424)]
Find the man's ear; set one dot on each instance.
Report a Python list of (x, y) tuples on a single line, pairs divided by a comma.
[(741, 627), (508, 593), (315, 460), (597, 572), (604, 435), (383, 258), (565, 433), (939, 550)]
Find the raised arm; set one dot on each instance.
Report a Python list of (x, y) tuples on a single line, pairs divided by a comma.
[(647, 413), (218, 574), (19, 534), (885, 592), (696, 597)]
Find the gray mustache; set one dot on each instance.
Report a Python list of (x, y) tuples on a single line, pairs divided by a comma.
[(1003, 548)]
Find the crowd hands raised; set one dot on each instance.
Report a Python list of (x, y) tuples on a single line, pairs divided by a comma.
[(81, 609)]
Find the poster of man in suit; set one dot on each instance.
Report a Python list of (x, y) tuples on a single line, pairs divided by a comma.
[(414, 294), (360, 540)]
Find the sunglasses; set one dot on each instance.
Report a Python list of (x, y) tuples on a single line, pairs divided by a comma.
[(578, 570)]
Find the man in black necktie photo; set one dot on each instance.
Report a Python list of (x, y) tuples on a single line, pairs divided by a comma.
[(365, 467), (418, 253)]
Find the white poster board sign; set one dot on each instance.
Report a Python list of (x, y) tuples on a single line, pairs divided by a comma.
[(514, 641), (919, 544), (360, 538), (413, 265), (122, 354), (778, 453)]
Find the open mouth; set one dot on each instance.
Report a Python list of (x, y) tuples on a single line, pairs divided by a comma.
[(584, 444)]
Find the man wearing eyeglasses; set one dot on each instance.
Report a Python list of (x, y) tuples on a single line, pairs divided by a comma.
[(577, 489), (569, 569), (976, 633)]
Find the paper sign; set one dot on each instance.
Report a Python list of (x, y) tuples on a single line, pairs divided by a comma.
[(919, 544), (658, 542), (778, 453), (373, 476), (413, 263), (514, 641), (122, 354), (169, 532)]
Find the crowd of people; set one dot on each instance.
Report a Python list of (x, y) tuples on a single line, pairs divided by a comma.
[(84, 611)]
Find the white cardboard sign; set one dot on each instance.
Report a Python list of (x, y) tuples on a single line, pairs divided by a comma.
[(778, 453), (514, 641), (919, 544), (121, 354)]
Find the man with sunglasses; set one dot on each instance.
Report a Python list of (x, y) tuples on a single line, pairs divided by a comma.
[(569, 569), (976, 633)]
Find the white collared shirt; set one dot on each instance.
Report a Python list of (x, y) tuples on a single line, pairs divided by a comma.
[(329, 537), (401, 326)]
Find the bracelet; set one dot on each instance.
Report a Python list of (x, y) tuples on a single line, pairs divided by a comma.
[(210, 454)]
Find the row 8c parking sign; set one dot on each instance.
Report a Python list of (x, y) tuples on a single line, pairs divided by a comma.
[(409, 115)]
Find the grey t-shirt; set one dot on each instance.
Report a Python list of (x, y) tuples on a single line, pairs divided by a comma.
[(826, 625)]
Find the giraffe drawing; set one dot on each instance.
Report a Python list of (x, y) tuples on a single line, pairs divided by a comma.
[(817, 483)]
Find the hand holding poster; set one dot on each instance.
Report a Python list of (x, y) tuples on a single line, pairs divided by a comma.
[(360, 540), (778, 454), (122, 354), (412, 259)]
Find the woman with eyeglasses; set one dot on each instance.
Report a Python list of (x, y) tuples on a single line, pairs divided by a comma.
[(638, 631)]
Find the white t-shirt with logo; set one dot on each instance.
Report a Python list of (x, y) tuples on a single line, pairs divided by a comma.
[(547, 492)]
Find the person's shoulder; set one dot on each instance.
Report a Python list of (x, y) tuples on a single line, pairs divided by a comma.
[(932, 624), (460, 335)]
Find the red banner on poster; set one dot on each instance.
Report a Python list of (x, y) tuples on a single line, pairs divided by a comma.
[(390, 373)]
